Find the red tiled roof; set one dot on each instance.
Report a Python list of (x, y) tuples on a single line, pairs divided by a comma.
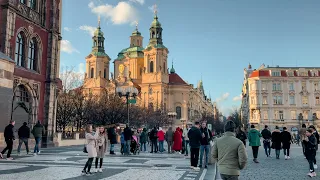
[(259, 73), (175, 79)]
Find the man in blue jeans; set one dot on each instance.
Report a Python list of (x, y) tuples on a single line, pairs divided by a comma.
[(37, 131), (205, 144)]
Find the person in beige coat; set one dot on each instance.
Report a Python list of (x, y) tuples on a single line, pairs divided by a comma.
[(230, 153), (101, 148), (91, 146)]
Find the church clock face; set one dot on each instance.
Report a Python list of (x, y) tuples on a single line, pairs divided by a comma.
[(121, 68)]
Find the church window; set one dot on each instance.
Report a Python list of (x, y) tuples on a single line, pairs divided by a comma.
[(33, 4), (151, 66), (92, 73), (153, 34), (105, 73), (178, 111), (32, 56), (21, 94), (20, 44)]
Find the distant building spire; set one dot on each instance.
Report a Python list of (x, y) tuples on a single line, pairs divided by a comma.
[(98, 21), (172, 70)]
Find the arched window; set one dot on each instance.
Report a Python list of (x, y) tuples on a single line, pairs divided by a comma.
[(178, 111), (32, 55), (19, 54), (33, 4), (92, 73), (105, 73), (21, 94), (151, 66)]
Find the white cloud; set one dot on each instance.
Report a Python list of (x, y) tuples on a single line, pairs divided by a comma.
[(152, 8), (223, 97), (67, 47), (138, 1), (89, 29), (67, 29), (82, 68), (122, 13), (237, 98)]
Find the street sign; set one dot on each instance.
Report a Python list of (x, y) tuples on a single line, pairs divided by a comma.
[(132, 101)]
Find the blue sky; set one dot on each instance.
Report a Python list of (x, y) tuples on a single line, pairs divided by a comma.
[(212, 39)]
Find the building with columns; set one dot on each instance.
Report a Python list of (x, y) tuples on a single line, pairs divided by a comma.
[(147, 70), (282, 96), (30, 59)]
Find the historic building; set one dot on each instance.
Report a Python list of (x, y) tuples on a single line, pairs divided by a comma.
[(30, 41), (282, 96), (147, 70)]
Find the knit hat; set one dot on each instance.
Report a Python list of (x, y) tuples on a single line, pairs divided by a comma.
[(230, 126)]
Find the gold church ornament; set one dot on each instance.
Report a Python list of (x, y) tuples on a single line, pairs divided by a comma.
[(121, 68)]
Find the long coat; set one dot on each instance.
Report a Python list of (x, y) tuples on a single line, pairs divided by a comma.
[(286, 139), (177, 140), (91, 144), (276, 140), (101, 145)]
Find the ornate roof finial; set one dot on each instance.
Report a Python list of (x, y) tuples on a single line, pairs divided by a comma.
[(99, 20), (172, 70), (155, 10), (136, 22)]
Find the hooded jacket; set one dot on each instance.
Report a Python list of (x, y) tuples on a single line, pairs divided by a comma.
[(38, 130), (254, 137)]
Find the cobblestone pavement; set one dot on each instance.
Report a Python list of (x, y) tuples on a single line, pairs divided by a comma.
[(271, 168), (67, 163)]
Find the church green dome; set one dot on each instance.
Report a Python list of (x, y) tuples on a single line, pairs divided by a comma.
[(98, 32), (155, 23)]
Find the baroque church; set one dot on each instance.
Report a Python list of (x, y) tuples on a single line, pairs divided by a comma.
[(147, 70)]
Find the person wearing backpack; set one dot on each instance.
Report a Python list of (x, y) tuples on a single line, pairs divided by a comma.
[(205, 144)]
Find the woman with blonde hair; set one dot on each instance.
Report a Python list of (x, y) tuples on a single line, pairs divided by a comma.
[(91, 147), (101, 148)]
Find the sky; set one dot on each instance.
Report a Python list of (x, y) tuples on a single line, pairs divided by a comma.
[(212, 40)]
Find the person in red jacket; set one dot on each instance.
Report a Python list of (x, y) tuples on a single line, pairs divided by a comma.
[(177, 140), (160, 135)]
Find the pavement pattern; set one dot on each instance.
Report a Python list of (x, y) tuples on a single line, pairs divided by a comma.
[(295, 168), (67, 163)]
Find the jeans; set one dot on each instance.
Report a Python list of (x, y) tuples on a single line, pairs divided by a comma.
[(161, 146), (25, 141), (169, 146), (286, 152), (127, 147), (267, 148), (88, 165), (277, 153), (205, 148), (186, 146), (36, 146), (144, 146), (194, 152), (154, 145), (229, 177), (111, 147), (9, 143), (122, 148), (255, 150)]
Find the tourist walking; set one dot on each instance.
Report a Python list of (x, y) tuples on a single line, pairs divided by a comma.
[(127, 139), (241, 135), (286, 139), (186, 139), (276, 141), (154, 140), (230, 153), (143, 139), (9, 138), (101, 148), (24, 135), (160, 135), (37, 131), (194, 135), (91, 148), (266, 135), (254, 141), (310, 150), (177, 140), (302, 135), (169, 139), (205, 144), (112, 136), (122, 141), (316, 135)]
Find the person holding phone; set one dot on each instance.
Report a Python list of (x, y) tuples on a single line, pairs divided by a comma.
[(91, 146)]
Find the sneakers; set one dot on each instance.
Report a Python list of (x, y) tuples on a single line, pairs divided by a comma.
[(285, 157), (288, 157), (100, 170), (270, 156), (315, 166), (88, 173), (1, 155), (196, 168), (9, 158), (312, 174), (95, 170), (255, 160), (35, 154)]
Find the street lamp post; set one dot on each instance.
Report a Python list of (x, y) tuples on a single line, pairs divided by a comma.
[(127, 92), (172, 116)]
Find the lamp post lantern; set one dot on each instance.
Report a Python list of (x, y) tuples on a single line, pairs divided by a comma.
[(127, 92), (172, 116)]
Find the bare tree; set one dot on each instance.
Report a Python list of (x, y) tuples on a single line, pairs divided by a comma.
[(65, 111), (70, 78)]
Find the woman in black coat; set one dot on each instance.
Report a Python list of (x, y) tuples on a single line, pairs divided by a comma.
[(276, 141)]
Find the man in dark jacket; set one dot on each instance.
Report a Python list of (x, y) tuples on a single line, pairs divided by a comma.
[(153, 139), (266, 135), (169, 139), (24, 135), (112, 136), (286, 139), (310, 150), (8, 137), (241, 135), (127, 139), (195, 137), (316, 135), (205, 144), (37, 131)]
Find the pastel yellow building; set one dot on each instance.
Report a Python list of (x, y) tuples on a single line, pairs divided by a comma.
[(147, 70)]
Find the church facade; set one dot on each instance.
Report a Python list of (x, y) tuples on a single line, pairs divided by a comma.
[(147, 70)]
